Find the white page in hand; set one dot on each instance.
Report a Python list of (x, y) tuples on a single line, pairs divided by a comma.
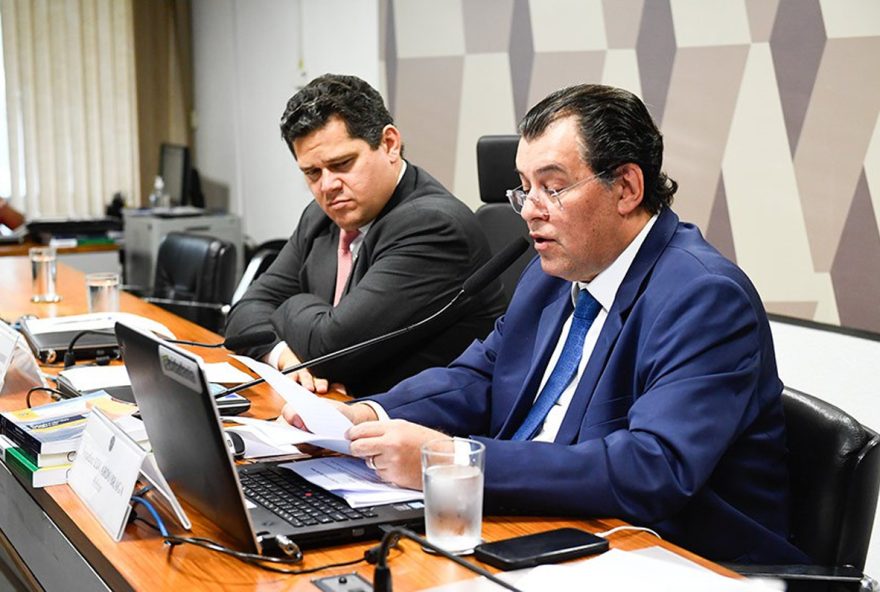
[(322, 418)]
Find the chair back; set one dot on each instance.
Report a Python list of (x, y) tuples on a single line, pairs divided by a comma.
[(195, 269), (263, 257), (834, 468), (496, 169)]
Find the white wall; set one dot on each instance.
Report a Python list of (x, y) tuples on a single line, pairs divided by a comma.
[(246, 62)]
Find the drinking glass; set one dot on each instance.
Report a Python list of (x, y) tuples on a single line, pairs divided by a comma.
[(103, 291), (44, 270), (452, 479)]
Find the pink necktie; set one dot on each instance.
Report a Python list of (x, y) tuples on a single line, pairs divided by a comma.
[(343, 261)]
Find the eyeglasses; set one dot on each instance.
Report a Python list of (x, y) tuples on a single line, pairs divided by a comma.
[(518, 197)]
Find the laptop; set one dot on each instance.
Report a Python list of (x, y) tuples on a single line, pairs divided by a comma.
[(249, 502)]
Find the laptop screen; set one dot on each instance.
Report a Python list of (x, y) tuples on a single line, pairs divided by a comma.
[(185, 431)]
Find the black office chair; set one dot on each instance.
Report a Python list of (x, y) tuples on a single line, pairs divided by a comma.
[(835, 478), (195, 277), (496, 170), (263, 256)]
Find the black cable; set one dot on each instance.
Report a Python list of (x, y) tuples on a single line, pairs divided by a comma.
[(70, 355), (27, 398), (261, 561), (382, 573)]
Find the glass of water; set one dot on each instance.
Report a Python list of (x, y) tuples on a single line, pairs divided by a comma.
[(44, 272), (452, 479), (103, 291)]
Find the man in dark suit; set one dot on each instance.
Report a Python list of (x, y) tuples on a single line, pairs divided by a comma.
[(633, 374), (382, 246)]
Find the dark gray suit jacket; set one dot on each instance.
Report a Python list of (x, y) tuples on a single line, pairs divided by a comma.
[(413, 260)]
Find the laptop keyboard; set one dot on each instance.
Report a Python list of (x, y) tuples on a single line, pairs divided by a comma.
[(296, 500)]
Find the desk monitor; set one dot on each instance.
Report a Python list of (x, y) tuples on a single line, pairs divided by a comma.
[(174, 168)]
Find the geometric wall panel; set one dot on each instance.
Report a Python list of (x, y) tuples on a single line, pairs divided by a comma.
[(770, 111)]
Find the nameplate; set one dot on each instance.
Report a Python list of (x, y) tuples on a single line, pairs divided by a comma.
[(105, 471)]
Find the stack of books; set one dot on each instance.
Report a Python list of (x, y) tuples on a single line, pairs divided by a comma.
[(40, 443)]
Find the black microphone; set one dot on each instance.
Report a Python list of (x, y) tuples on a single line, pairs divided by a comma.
[(494, 266), (382, 573), (474, 284), (235, 342)]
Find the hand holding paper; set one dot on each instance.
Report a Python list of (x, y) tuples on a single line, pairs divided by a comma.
[(326, 424)]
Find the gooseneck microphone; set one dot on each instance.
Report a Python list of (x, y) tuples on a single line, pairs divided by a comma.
[(471, 286), (234, 342), (382, 573)]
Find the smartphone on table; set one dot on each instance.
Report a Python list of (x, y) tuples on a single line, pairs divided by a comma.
[(552, 546)]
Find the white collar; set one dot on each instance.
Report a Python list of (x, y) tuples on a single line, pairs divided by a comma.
[(605, 285)]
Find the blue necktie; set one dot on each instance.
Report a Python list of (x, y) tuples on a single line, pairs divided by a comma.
[(585, 311)]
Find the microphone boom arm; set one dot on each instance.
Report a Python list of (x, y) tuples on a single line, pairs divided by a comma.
[(349, 349)]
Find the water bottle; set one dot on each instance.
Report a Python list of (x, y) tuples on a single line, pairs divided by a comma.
[(156, 197)]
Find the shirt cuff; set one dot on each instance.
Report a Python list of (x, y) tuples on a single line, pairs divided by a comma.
[(272, 357), (380, 412)]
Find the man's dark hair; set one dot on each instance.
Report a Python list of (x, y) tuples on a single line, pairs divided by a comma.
[(615, 129), (351, 99)]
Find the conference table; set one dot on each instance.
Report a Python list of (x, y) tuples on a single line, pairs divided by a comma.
[(56, 543)]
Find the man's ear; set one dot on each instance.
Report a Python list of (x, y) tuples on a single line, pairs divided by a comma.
[(391, 142), (632, 183)]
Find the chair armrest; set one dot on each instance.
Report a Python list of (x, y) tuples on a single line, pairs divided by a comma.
[(822, 573)]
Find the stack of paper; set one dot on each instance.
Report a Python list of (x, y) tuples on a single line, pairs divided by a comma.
[(350, 479), (624, 571)]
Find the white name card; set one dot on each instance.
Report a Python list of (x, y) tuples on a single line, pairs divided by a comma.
[(105, 471)]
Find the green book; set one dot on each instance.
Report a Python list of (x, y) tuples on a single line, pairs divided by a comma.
[(18, 462)]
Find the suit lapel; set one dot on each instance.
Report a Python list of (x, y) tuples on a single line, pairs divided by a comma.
[(546, 336), (627, 294), (323, 272)]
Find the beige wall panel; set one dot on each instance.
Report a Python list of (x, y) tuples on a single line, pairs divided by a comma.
[(622, 18), (762, 197), (429, 28), (701, 23), (837, 129), (622, 69), (699, 106), (851, 18), (552, 71), (568, 25), (428, 100), (761, 13), (486, 108), (872, 169)]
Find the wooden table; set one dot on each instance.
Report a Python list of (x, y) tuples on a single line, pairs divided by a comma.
[(140, 561)]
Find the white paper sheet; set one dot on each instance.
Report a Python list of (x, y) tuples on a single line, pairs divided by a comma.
[(96, 321), (321, 417), (624, 571), (350, 478)]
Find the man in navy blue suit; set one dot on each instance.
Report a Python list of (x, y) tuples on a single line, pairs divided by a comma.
[(633, 374)]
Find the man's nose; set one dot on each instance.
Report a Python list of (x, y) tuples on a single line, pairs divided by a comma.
[(330, 182), (532, 209)]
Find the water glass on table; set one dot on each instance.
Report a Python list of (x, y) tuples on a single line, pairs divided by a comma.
[(452, 479), (44, 271), (103, 291)]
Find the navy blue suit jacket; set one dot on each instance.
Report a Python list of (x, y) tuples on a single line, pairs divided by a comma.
[(676, 422)]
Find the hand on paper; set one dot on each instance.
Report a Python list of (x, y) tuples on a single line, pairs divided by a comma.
[(355, 413), (304, 376), (393, 447)]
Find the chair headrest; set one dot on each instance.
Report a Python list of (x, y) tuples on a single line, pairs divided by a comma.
[(496, 167)]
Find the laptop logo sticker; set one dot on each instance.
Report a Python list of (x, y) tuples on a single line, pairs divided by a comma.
[(178, 368)]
